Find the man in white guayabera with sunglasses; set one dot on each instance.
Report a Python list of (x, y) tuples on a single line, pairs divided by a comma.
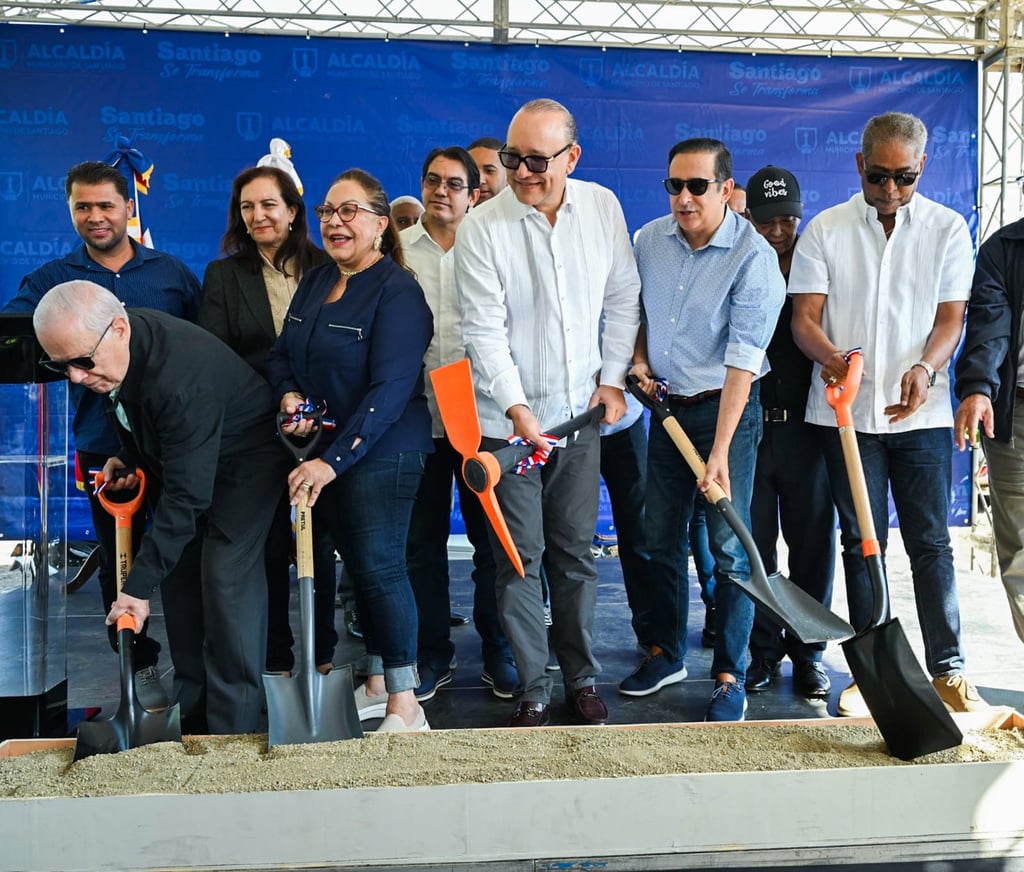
[(550, 307), (890, 271)]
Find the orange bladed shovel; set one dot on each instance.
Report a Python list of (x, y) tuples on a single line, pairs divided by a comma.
[(456, 400)]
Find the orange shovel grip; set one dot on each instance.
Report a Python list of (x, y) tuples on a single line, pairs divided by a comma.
[(126, 622), (122, 512), (841, 396)]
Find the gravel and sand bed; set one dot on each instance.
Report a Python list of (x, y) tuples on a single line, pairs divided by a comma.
[(243, 764)]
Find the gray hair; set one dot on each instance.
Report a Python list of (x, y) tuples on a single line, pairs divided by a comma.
[(85, 303), (544, 104), (406, 199), (894, 127)]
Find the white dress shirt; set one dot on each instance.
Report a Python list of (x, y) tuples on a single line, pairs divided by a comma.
[(435, 271), (883, 295), (532, 297)]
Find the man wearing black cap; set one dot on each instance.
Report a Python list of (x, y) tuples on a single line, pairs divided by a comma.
[(790, 479)]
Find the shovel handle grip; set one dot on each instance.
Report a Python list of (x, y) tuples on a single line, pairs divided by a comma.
[(301, 450), (126, 622), (841, 396), (121, 512)]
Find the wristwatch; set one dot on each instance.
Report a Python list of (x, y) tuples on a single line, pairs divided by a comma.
[(929, 369)]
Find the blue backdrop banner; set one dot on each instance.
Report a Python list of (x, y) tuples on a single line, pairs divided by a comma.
[(203, 106)]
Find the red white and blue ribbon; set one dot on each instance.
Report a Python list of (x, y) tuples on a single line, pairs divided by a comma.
[(539, 456)]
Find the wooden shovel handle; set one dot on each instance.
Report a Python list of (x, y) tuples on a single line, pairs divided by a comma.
[(678, 435)]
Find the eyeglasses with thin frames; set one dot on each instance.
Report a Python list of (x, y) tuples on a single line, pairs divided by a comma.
[(902, 180), (432, 180), (535, 163), (697, 187), (84, 362), (346, 212)]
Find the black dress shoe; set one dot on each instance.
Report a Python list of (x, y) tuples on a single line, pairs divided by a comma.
[(760, 675), (530, 714), (456, 619), (707, 635), (588, 707), (810, 680)]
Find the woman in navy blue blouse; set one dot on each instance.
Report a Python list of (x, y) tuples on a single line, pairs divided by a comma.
[(354, 337)]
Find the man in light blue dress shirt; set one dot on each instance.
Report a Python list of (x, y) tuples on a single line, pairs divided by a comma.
[(711, 292)]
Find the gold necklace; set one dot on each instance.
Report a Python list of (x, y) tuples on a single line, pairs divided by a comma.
[(348, 273)]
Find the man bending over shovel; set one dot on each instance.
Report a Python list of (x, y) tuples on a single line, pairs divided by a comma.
[(197, 419)]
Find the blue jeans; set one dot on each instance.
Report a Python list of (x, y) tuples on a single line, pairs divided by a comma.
[(624, 470), (917, 466), (700, 551), (671, 487), (427, 555), (367, 509)]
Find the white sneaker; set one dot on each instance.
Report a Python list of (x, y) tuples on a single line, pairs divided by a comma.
[(851, 703), (370, 707), (395, 724)]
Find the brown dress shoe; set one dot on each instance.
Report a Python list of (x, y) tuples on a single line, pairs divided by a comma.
[(530, 714), (588, 707)]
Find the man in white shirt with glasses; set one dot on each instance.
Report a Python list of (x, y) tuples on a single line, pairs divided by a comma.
[(535, 268)]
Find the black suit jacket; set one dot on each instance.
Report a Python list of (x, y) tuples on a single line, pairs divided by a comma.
[(235, 308), (202, 425)]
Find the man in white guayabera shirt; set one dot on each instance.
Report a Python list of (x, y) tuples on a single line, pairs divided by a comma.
[(536, 267)]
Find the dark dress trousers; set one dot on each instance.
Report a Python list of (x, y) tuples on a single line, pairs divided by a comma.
[(236, 309), (202, 427)]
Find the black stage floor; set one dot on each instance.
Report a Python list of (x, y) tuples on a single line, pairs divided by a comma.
[(993, 652)]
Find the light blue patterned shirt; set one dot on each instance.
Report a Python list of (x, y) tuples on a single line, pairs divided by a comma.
[(710, 308)]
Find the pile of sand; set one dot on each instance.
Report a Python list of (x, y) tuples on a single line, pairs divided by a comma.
[(243, 764)]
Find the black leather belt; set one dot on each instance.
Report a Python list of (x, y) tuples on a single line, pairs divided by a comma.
[(696, 399), (776, 416)]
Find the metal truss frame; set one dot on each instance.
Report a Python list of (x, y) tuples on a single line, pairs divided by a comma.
[(988, 31)]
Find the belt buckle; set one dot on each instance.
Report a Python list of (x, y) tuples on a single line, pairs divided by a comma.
[(776, 416)]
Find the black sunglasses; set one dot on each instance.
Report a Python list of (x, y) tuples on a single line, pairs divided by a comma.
[(902, 180), (84, 362), (697, 187), (535, 163)]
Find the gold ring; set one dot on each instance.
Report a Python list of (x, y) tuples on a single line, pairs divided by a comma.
[(831, 379), (307, 485)]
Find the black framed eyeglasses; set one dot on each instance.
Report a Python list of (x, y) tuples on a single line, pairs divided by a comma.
[(697, 187), (84, 362), (346, 212), (902, 180), (432, 180), (535, 163)]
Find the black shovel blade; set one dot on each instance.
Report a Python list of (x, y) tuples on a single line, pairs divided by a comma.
[(133, 725), (905, 707), (788, 605)]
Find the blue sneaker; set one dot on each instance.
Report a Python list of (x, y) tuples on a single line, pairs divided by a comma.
[(728, 702), (501, 677), (431, 679), (656, 672)]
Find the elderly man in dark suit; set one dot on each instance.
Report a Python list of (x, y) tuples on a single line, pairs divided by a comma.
[(198, 420)]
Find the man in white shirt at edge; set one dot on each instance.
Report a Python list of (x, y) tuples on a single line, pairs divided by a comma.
[(535, 268), (890, 271), (451, 185)]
